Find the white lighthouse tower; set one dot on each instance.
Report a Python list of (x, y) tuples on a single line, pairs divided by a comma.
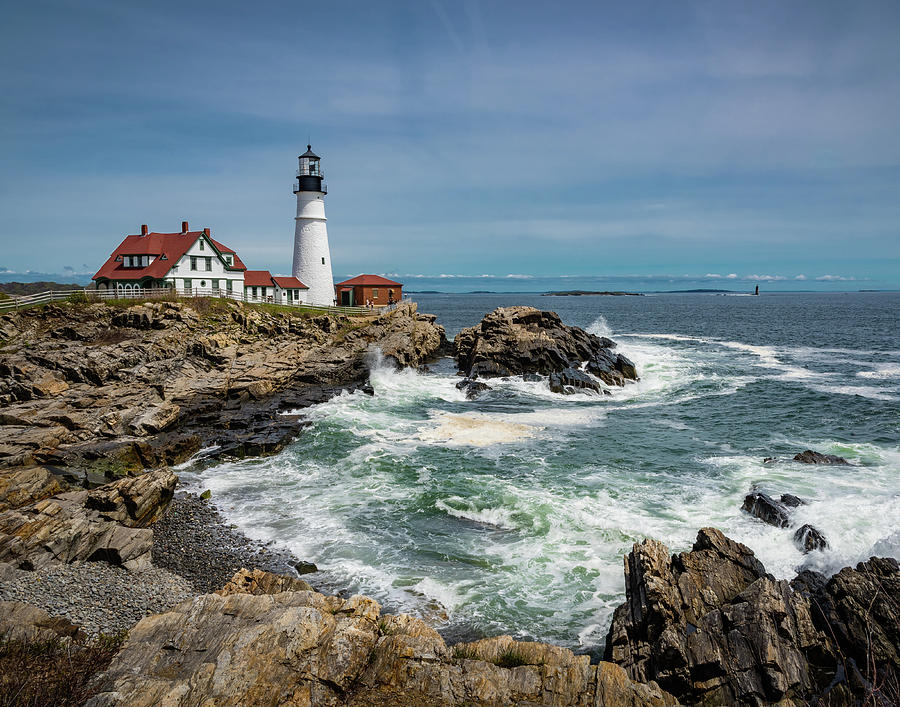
[(312, 259)]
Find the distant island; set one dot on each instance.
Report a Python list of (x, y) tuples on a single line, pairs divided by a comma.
[(581, 293)]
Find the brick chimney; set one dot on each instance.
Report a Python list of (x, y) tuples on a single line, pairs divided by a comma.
[(144, 229), (184, 226), (206, 231)]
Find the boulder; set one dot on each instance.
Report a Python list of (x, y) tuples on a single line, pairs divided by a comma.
[(472, 387), (524, 340), (259, 581), (135, 502), (570, 379), (25, 485), (791, 501), (807, 538), (811, 457), (23, 622), (766, 509), (106, 524)]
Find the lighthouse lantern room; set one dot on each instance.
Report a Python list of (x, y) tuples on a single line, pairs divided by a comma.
[(312, 259)]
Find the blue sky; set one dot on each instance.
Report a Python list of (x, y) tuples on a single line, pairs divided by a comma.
[(683, 142)]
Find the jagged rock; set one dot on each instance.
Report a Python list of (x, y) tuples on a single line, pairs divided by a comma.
[(261, 582), (766, 509), (807, 538), (521, 340), (572, 378), (303, 648), (861, 606), (472, 387), (710, 626), (88, 525), (603, 365), (811, 457), (305, 567)]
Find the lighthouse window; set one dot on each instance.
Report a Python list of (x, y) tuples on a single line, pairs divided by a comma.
[(323, 261)]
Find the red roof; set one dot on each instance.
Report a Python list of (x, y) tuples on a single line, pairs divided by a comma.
[(171, 245), (290, 283), (368, 280), (257, 278)]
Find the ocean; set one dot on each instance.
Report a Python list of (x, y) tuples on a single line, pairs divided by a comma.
[(511, 513)]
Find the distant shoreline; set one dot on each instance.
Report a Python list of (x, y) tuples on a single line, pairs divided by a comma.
[(582, 293)]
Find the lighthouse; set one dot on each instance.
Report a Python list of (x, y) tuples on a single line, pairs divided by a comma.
[(312, 259)]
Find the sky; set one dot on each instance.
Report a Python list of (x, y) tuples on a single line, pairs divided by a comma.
[(705, 144)]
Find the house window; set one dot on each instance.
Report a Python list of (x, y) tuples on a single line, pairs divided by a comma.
[(118, 258), (163, 257), (228, 285), (215, 284), (202, 283), (227, 260), (201, 244), (208, 264), (193, 262), (187, 284), (253, 292), (374, 294)]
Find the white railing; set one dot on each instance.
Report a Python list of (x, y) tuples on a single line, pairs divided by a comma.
[(21, 302)]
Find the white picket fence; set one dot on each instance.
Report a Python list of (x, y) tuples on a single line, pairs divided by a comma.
[(14, 302)]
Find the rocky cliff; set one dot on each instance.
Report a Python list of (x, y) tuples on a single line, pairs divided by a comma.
[(112, 389)]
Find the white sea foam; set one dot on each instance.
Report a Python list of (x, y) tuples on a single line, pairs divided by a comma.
[(860, 390), (599, 327), (882, 371), (460, 508), (475, 431)]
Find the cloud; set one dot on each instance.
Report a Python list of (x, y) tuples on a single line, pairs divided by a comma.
[(835, 278), (800, 277)]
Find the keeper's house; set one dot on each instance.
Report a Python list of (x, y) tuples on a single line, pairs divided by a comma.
[(262, 286), (358, 290), (190, 260)]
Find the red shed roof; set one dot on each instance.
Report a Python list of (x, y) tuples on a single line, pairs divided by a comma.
[(368, 280), (290, 283), (257, 278), (171, 245)]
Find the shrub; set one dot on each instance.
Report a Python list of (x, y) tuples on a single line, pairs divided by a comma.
[(53, 672), (510, 659)]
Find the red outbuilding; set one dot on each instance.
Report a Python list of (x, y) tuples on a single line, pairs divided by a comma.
[(359, 290)]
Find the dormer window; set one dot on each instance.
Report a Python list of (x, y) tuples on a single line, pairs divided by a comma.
[(227, 260)]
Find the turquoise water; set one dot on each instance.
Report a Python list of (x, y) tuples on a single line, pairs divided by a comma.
[(511, 513)]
